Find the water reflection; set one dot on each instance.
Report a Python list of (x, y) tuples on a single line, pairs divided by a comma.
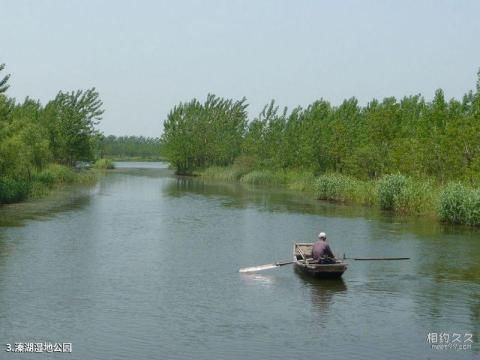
[(272, 199), (323, 292), (141, 165), (69, 198)]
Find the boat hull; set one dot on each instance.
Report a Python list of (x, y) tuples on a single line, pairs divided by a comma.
[(333, 271)]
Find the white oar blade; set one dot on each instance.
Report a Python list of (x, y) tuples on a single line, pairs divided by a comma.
[(258, 268)]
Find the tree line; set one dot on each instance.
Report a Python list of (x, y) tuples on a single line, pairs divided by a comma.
[(124, 147), (33, 135), (439, 139)]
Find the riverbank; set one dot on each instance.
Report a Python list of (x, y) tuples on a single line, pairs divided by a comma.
[(454, 202), (41, 183)]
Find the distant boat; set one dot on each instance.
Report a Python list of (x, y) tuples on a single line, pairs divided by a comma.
[(303, 261)]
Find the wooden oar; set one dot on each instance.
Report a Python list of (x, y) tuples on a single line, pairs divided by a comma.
[(264, 267), (376, 258)]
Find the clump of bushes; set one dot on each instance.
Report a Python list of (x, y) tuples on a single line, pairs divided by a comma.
[(12, 190), (338, 187), (459, 205), (46, 177), (389, 189), (54, 174), (406, 195), (335, 187), (416, 197), (63, 174), (104, 164)]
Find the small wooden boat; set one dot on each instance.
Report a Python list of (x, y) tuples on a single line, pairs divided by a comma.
[(303, 261)]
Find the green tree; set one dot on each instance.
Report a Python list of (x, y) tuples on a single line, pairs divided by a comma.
[(71, 119), (3, 80), (198, 135)]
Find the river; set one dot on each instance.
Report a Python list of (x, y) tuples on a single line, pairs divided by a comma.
[(144, 265)]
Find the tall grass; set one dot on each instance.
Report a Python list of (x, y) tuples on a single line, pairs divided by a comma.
[(221, 173), (262, 177), (454, 203), (389, 188), (405, 195), (299, 180), (417, 197), (459, 205), (103, 164), (342, 188), (335, 187), (242, 171), (54, 174)]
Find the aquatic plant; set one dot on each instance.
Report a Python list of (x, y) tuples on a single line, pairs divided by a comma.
[(221, 173), (261, 177), (459, 205), (389, 189), (103, 164), (335, 187), (12, 190)]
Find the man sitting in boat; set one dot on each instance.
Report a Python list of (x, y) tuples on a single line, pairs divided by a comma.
[(321, 251)]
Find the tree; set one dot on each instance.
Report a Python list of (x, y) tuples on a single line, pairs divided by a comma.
[(71, 119), (198, 135), (3, 81)]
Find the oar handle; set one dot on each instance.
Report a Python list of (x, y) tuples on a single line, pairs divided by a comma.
[(382, 258)]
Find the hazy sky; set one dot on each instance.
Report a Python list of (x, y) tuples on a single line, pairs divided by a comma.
[(146, 56)]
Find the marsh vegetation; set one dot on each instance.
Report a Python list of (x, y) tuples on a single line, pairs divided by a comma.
[(410, 155)]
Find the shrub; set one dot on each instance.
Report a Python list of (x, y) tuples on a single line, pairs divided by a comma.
[(103, 164), (335, 187), (459, 205), (12, 190), (474, 208), (415, 197), (62, 174), (46, 177), (453, 202), (389, 189)]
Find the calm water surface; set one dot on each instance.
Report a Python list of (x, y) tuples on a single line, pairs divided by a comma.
[(145, 266)]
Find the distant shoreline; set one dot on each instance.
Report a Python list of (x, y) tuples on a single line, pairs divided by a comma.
[(135, 158)]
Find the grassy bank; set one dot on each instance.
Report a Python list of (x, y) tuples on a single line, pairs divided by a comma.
[(452, 203), (40, 183)]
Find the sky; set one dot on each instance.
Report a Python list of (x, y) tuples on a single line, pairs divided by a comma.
[(144, 57)]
